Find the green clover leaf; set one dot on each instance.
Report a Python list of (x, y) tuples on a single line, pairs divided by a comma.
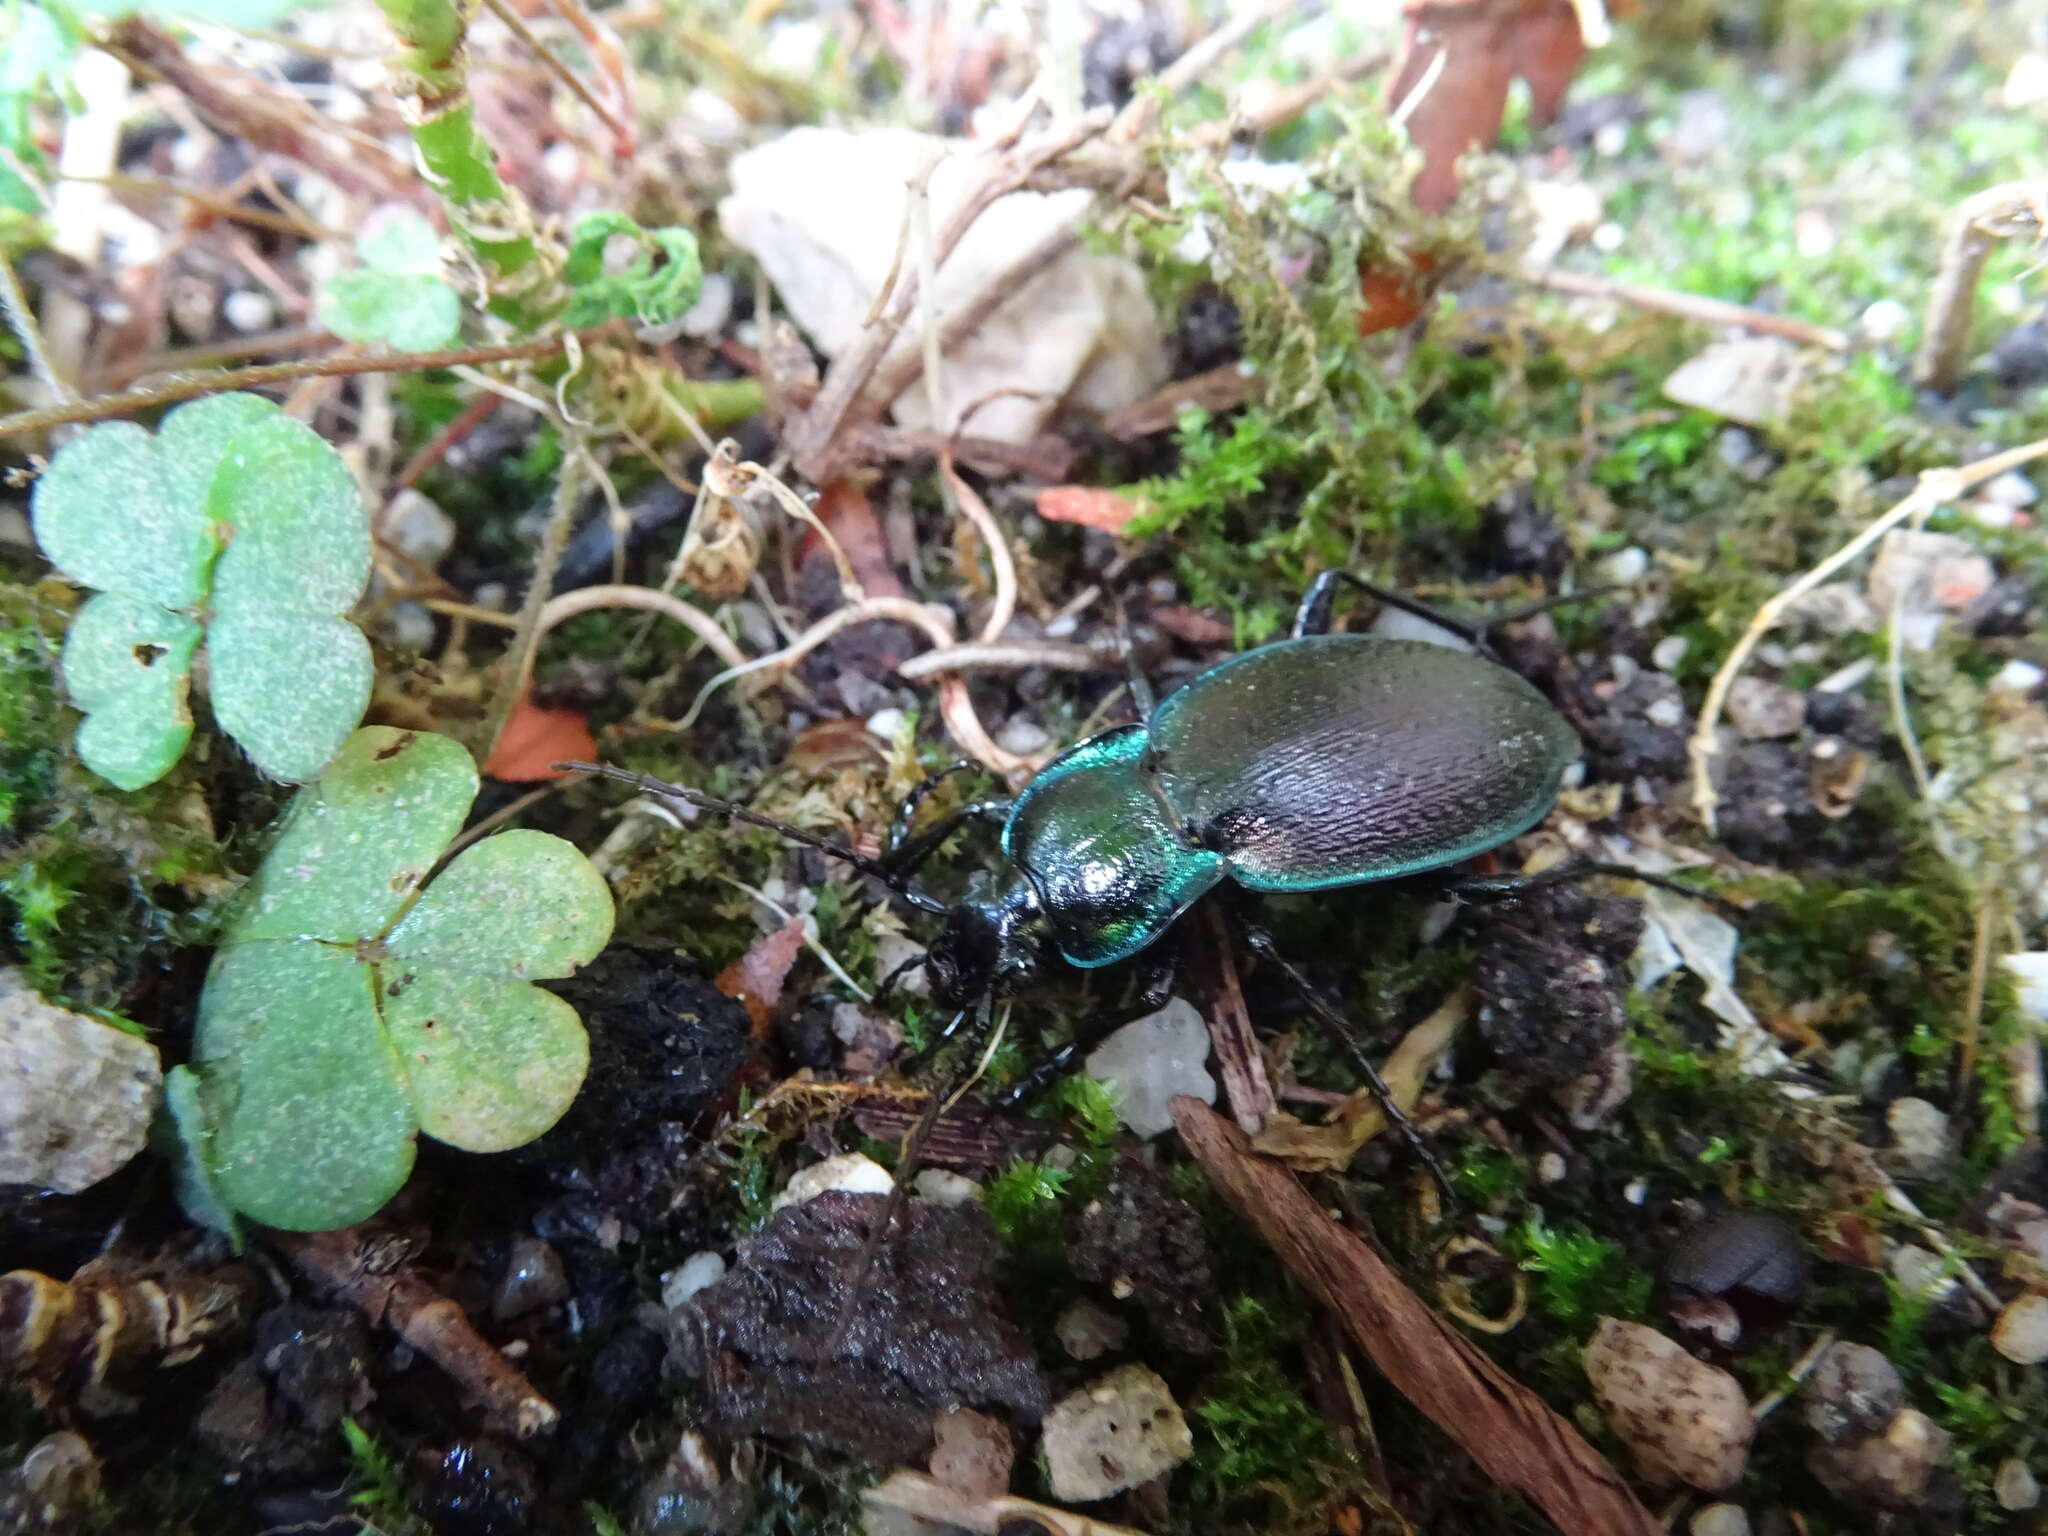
[(234, 524), (397, 296), (354, 1003), (650, 294)]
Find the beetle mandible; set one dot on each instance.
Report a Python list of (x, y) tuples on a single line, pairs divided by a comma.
[(1318, 761)]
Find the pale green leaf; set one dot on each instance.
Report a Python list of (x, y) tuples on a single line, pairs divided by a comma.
[(522, 904), (406, 311), (191, 1151), (662, 278), (402, 241), (492, 1063), (301, 539), (311, 1129), (360, 840), (289, 687), (127, 664), (126, 512)]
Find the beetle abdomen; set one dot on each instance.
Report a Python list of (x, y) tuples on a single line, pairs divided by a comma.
[(1110, 868), (1338, 759)]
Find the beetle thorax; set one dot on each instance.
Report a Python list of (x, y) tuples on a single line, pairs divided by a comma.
[(993, 939)]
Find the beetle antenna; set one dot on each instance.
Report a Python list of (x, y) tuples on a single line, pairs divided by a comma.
[(1510, 886), (732, 812), (888, 982), (1340, 1030)]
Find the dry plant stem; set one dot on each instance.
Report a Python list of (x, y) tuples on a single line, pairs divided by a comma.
[(984, 657), (526, 637), (1197, 61), (1902, 714), (1687, 306), (976, 511), (1983, 219), (1936, 488), (1239, 1061), (553, 64), (1514, 1437), (242, 105), (1988, 921), (609, 55), (1286, 105), (300, 338), (947, 1507), (294, 221), (346, 1264), (190, 386), (590, 599), (22, 321), (1798, 1372)]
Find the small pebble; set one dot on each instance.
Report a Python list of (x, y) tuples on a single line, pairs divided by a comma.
[(534, 1279), (1023, 736), (1550, 1168), (1088, 1331), (1854, 1391), (2015, 1486), (1669, 652), (2021, 1333), (1117, 1432), (1666, 712), (2011, 489), (1920, 1137), (1150, 1061), (1684, 1420), (1763, 710), (972, 1453), (855, 1172), (1884, 321), (1852, 676), (886, 723), (416, 526), (76, 1095), (249, 310), (1625, 567), (941, 1186), (1924, 1273), (699, 1272), (1887, 1471), (1721, 1520)]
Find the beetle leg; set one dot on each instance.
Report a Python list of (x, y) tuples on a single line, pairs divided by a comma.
[(1313, 616), (1339, 1029), (1157, 989), (1506, 887), (905, 860), (906, 811)]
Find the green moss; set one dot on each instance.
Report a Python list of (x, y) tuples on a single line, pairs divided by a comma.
[(1580, 1276), (1260, 1448)]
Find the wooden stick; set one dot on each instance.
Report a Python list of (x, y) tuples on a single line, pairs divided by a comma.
[(1687, 306), (1518, 1440), (1984, 219), (1246, 1087)]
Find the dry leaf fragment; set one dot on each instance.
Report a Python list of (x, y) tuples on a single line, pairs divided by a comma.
[(535, 739), (755, 979), (1087, 505)]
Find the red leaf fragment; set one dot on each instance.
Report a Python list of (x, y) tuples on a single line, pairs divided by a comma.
[(755, 980), (534, 739), (1087, 505)]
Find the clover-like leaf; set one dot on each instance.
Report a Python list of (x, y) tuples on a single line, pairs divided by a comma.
[(234, 523), (653, 294), (397, 296), (350, 1006)]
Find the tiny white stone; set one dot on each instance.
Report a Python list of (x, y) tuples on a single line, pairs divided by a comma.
[(854, 1172), (2015, 1486), (1152, 1060), (2021, 1332), (1919, 1133), (700, 1271), (1721, 1520), (1609, 238), (1886, 320), (1610, 139), (886, 723), (1852, 676), (1635, 1191), (1551, 1167), (1626, 566), (1667, 712), (1115, 1433), (1669, 652), (941, 1186), (2011, 489), (249, 310)]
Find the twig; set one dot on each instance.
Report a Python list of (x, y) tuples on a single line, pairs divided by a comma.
[(1687, 306), (350, 1264), (297, 338), (294, 221), (552, 63), (1796, 1373), (1247, 1087), (983, 521), (1983, 219), (1987, 923), (1196, 62), (191, 385), (1285, 105), (981, 656), (609, 55), (1902, 714), (436, 448), (1936, 487), (22, 321), (1222, 388), (1511, 1433), (589, 599)]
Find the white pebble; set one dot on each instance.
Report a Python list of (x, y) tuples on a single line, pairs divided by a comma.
[(2015, 1486), (1684, 1420), (1669, 652), (1551, 1168), (1117, 1432), (1667, 712), (2021, 1332), (1721, 1520), (699, 1272), (941, 1186), (1150, 1061), (1919, 1134), (1886, 320), (886, 723), (854, 1172), (1763, 710), (1626, 566), (249, 310)]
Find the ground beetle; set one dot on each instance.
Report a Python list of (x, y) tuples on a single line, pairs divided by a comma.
[(1318, 761)]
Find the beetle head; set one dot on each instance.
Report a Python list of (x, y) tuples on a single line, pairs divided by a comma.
[(992, 940)]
